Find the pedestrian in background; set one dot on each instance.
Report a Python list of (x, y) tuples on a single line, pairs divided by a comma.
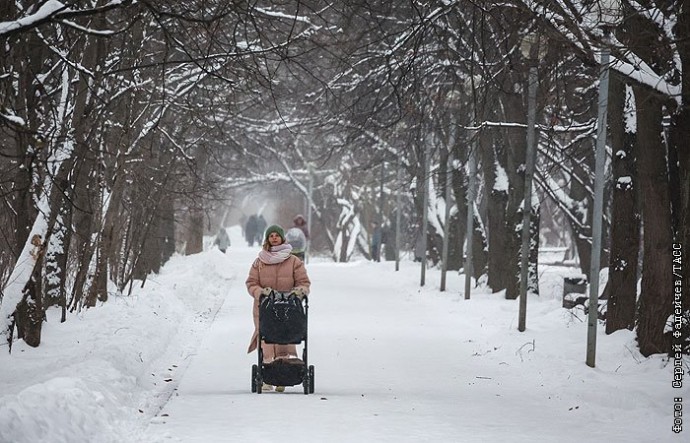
[(222, 240), (376, 237)]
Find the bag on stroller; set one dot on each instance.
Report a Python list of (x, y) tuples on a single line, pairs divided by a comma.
[(282, 319)]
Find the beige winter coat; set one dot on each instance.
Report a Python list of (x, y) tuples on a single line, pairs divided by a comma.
[(282, 277)]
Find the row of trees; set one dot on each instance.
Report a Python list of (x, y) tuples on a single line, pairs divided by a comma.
[(123, 123)]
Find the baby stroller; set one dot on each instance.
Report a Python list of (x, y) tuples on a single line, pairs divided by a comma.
[(283, 320)]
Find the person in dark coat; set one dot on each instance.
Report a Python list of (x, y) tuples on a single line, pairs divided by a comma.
[(250, 230), (260, 228), (376, 238)]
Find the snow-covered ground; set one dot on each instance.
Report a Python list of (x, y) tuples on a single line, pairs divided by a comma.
[(393, 362)]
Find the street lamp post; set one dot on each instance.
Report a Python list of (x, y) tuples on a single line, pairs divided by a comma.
[(529, 48), (398, 206), (471, 186), (398, 198), (446, 216), (609, 13), (469, 236), (425, 205), (381, 198), (307, 249)]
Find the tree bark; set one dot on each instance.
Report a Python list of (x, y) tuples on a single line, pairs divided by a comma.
[(583, 167), (56, 258), (656, 297), (29, 314), (679, 135), (98, 290), (195, 230), (533, 259), (499, 263), (29, 63), (625, 218), (166, 236), (514, 164)]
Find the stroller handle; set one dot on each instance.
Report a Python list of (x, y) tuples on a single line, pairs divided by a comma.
[(283, 295)]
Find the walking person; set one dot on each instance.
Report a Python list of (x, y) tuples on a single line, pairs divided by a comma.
[(295, 237), (300, 222), (376, 238), (260, 228), (250, 230), (222, 240), (276, 268)]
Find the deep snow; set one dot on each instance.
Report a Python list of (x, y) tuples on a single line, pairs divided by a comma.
[(394, 362)]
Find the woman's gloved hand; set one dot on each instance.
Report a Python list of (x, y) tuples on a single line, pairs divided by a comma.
[(299, 292)]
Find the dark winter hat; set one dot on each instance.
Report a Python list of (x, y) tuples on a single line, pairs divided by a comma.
[(277, 229)]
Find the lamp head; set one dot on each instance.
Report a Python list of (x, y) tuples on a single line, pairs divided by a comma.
[(609, 12), (527, 43)]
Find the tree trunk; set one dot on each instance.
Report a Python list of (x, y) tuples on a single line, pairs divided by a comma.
[(84, 188), (99, 284), (83, 222), (147, 259), (480, 256), (625, 218), (114, 226), (514, 164), (27, 146), (500, 269), (679, 135), (533, 259), (151, 253), (583, 167), (195, 231), (502, 252), (98, 290), (656, 297), (29, 314), (345, 241), (166, 229), (57, 253), (498, 262), (456, 222)]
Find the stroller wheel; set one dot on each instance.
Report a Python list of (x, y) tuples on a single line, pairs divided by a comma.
[(256, 383), (308, 381), (305, 382)]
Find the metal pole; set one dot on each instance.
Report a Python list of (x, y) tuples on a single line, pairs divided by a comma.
[(425, 207), (380, 218), (471, 183), (530, 160), (446, 226), (446, 219), (600, 158), (309, 198), (383, 168), (398, 204)]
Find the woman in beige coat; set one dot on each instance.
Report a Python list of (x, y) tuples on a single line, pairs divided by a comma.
[(275, 269)]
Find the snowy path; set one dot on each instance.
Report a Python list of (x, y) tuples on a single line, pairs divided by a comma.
[(398, 363)]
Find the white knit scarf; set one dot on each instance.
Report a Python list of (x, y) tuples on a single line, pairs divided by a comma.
[(275, 254)]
